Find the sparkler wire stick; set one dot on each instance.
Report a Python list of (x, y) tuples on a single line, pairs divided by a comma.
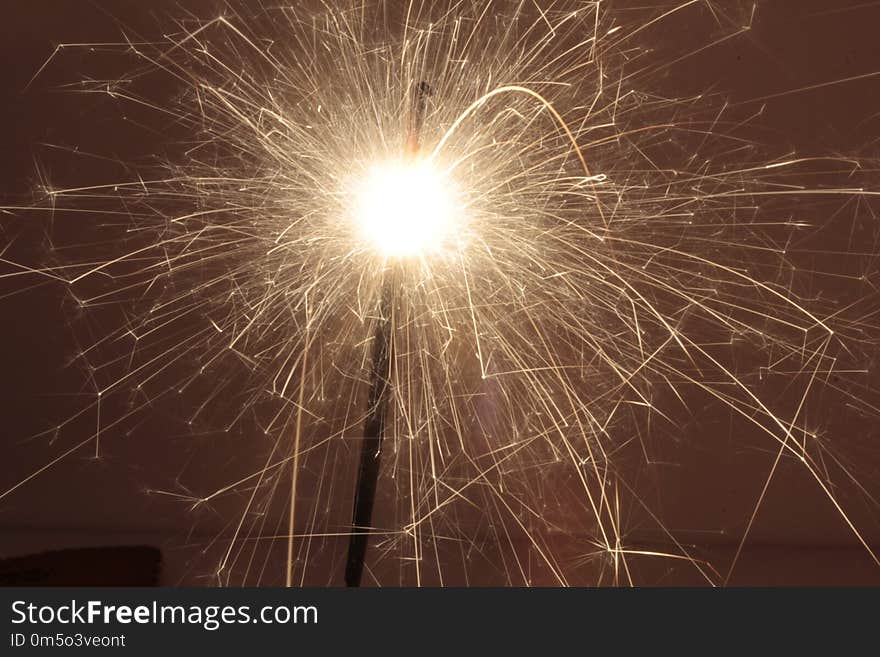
[(380, 388)]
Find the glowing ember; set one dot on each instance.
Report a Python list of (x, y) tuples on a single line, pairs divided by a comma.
[(407, 209)]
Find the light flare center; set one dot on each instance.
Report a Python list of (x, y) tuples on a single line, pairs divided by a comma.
[(407, 208)]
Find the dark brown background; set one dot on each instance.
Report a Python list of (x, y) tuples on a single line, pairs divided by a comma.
[(707, 489)]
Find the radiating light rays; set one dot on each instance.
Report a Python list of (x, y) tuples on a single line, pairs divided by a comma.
[(617, 262)]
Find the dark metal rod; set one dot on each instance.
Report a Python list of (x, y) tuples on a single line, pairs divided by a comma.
[(380, 389), (374, 432)]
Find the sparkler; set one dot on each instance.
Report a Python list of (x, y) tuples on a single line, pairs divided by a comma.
[(381, 371), (590, 263)]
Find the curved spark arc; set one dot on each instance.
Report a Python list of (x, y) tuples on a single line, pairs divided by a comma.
[(535, 347)]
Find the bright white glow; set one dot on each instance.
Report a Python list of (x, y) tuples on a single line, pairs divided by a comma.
[(406, 208)]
